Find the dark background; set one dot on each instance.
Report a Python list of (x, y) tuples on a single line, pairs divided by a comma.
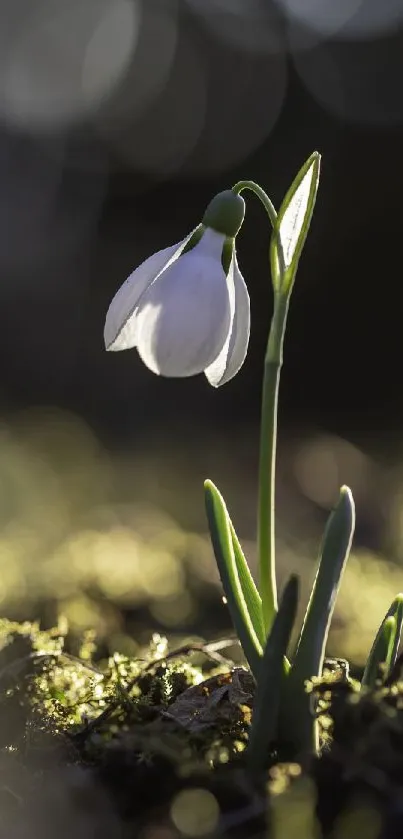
[(77, 214), (118, 122)]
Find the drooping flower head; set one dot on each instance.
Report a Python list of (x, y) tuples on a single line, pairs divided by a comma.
[(186, 308)]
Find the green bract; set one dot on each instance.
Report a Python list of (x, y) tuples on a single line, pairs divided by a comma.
[(292, 224)]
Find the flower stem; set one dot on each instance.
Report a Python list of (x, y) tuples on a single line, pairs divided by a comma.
[(267, 460), (261, 194), (268, 427), (276, 268)]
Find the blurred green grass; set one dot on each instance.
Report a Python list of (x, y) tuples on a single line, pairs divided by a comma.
[(118, 541)]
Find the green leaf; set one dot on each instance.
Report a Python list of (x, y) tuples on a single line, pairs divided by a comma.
[(272, 674), (239, 589), (292, 225), (334, 553), (308, 660), (371, 671), (396, 611), (381, 652), (250, 592)]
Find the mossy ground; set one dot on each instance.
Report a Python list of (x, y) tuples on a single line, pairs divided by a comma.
[(154, 747)]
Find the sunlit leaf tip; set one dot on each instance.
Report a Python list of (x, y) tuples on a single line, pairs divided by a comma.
[(295, 216), (346, 494), (239, 589), (381, 652)]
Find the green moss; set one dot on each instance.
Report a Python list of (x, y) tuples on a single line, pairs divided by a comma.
[(45, 690), (157, 722)]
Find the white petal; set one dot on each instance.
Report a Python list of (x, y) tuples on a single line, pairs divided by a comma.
[(120, 332), (184, 317), (233, 353), (210, 244)]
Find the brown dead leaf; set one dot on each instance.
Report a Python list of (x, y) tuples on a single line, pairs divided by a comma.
[(216, 701)]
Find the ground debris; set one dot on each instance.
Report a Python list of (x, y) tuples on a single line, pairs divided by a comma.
[(225, 699)]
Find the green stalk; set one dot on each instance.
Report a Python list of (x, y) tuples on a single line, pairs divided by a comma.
[(300, 201), (260, 194), (276, 251), (268, 429), (267, 461)]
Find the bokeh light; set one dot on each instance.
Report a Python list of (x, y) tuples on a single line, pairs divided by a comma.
[(147, 74), (324, 462), (251, 26), (348, 19), (83, 534), (357, 820), (59, 61), (208, 115), (162, 137), (195, 812), (355, 83)]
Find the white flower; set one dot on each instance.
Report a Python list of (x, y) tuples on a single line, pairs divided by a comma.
[(183, 312)]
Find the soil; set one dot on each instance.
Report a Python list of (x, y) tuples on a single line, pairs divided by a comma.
[(154, 748)]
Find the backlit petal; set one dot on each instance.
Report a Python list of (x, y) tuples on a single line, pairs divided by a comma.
[(184, 317), (233, 353), (211, 244), (120, 331)]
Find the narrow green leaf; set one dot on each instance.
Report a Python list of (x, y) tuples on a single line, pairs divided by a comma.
[(381, 652), (250, 592), (297, 718), (272, 675), (222, 540), (292, 224), (395, 611), (334, 552)]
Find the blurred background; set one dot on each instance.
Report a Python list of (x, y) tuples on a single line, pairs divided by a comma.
[(119, 120)]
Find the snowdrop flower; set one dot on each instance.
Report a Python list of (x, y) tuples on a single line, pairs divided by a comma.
[(186, 308)]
